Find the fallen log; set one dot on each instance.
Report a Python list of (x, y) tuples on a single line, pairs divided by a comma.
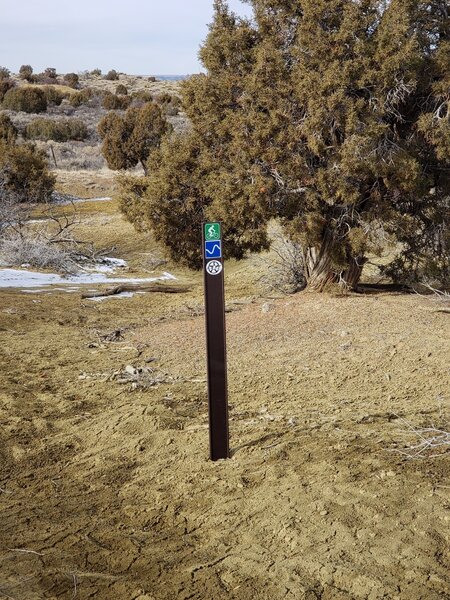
[(138, 287)]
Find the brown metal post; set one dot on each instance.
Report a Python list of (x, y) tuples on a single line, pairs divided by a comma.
[(216, 341)]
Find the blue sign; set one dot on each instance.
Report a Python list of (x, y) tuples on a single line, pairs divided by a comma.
[(213, 249)]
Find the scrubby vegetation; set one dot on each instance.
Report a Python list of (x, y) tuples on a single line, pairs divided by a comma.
[(87, 96), (27, 99), (8, 131), (129, 139), (53, 95), (26, 72), (24, 173), (5, 86), (61, 130), (72, 80), (112, 75), (114, 102), (142, 97), (121, 90)]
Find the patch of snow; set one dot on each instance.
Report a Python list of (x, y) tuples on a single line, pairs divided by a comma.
[(168, 276), (106, 265), (62, 199), (37, 221), (121, 295), (24, 279)]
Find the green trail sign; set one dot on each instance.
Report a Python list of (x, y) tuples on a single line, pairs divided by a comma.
[(212, 231), (215, 340)]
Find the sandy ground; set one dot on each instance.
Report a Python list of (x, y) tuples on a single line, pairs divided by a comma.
[(107, 492)]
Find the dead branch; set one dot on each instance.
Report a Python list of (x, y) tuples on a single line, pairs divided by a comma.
[(138, 287)]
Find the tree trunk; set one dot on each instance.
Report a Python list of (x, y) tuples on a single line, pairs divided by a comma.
[(320, 272), (349, 278), (319, 266)]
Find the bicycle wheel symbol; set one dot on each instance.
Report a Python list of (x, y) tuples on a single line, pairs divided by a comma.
[(214, 267)]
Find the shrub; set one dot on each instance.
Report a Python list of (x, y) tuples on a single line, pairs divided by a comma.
[(84, 96), (53, 96), (121, 90), (24, 173), (142, 96), (25, 99), (96, 72), (26, 72), (112, 75), (129, 139), (171, 110), (4, 73), (58, 131), (164, 98), (113, 102), (5, 86), (8, 131), (152, 79), (131, 192), (50, 72), (72, 80), (169, 104), (285, 269), (37, 252), (48, 77)]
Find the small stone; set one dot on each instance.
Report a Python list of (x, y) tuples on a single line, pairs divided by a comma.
[(266, 307), (323, 513)]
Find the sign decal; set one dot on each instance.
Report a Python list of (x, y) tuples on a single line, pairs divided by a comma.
[(213, 249), (214, 267)]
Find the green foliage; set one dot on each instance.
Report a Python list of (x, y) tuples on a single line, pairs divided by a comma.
[(129, 139), (121, 90), (53, 95), (8, 131), (24, 173), (169, 104), (131, 191), (72, 80), (113, 102), (62, 130), (4, 73), (96, 72), (332, 116), (142, 96), (5, 86), (26, 99), (86, 96), (112, 75), (163, 98), (50, 72), (26, 72)]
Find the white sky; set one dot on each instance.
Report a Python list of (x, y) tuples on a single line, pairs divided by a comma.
[(135, 36)]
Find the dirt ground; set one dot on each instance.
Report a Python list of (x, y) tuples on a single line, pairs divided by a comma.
[(107, 491)]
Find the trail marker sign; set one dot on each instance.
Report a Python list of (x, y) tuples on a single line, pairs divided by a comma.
[(216, 341), (213, 249)]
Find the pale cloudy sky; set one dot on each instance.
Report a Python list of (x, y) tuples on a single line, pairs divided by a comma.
[(133, 36)]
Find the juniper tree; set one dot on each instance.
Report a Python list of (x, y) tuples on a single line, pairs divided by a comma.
[(24, 173), (128, 139), (330, 115), (8, 131)]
